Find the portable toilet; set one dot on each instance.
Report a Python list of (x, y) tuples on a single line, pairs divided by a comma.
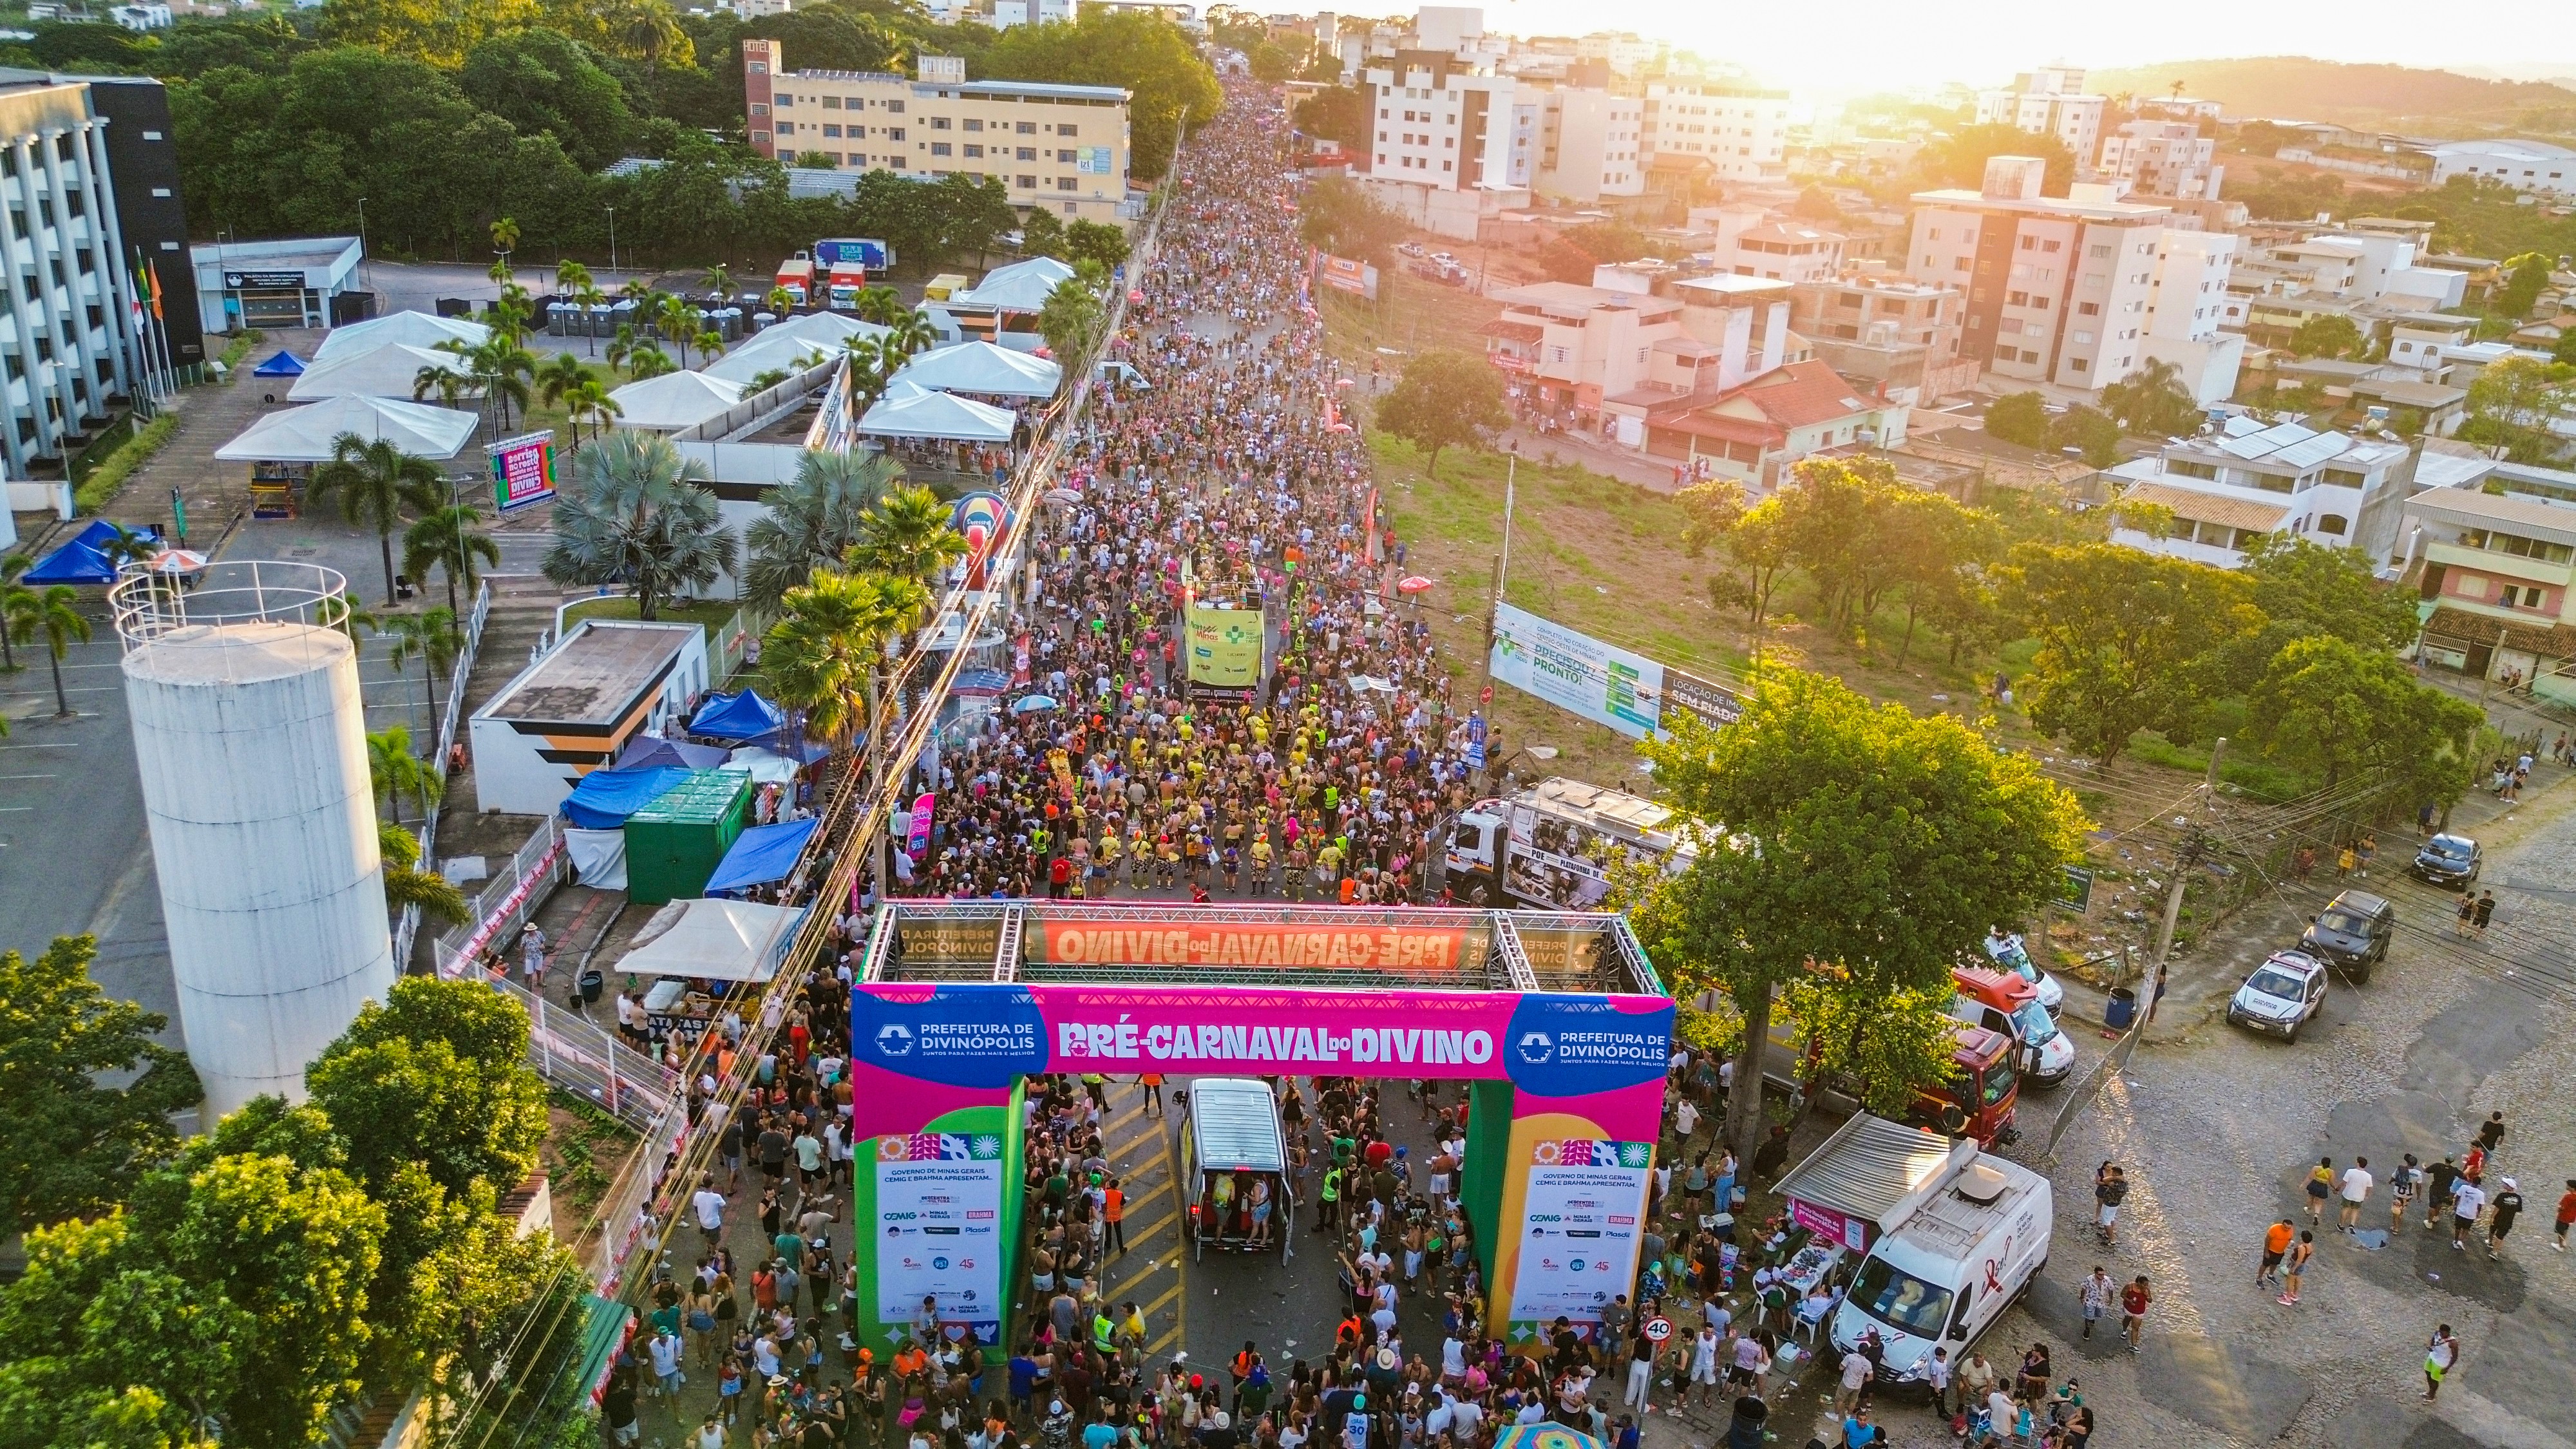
[(674, 844)]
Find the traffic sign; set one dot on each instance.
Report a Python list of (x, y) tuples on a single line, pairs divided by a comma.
[(1658, 1329), (2077, 892)]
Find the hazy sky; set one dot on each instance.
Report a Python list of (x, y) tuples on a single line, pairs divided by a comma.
[(1844, 46)]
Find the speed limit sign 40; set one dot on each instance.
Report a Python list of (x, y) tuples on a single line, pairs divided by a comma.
[(1658, 1329)]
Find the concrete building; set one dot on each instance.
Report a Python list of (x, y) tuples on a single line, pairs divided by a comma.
[(2162, 158), (1062, 147), (2049, 102), (1570, 348), (2079, 291), (1622, 51), (571, 711), (1451, 146), (1782, 251), (2248, 478), (1447, 28), (1889, 333), (2531, 167), (1590, 145), (1755, 432), (2425, 341), (1742, 131), (295, 282), (2500, 570)]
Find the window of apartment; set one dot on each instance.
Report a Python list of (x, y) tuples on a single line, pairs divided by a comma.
[(2017, 299), (1025, 183), (893, 133), (835, 132), (785, 100), (2506, 543), (939, 123), (1027, 153), (2030, 243), (1027, 128), (938, 148), (2048, 246), (1067, 128), (2088, 309), (1958, 264), (2189, 469), (895, 106), (1064, 155), (2099, 252), (2081, 338), (2346, 478), (787, 128), (2336, 523), (1064, 183), (974, 123), (974, 150), (833, 103)]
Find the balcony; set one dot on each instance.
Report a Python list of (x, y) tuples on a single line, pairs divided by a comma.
[(2498, 565)]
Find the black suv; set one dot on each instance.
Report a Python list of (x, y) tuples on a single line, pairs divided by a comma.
[(2448, 860), (2351, 934)]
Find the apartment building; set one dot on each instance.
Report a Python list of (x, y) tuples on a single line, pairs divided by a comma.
[(1754, 432), (1645, 340), (1009, 13), (2049, 102), (1448, 29), (2078, 291), (1782, 251), (2499, 569), (1742, 131), (1062, 147), (1590, 144), (2532, 167), (1622, 51), (69, 340), (1892, 334), (2162, 158), (2248, 478), (1440, 124)]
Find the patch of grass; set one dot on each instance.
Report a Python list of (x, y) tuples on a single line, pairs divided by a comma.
[(107, 476), (238, 350), (710, 614), (2257, 778)]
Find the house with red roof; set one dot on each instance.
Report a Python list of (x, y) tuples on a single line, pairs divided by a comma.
[(1753, 432)]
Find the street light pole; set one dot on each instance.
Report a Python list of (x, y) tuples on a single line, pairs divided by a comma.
[(366, 257), (612, 241)]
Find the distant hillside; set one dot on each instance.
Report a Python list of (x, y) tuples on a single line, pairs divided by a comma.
[(2297, 88)]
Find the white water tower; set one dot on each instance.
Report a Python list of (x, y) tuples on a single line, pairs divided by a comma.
[(252, 741)]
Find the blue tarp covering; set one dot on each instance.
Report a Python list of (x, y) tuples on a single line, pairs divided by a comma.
[(604, 798), (284, 364), (762, 854), (83, 560), (744, 716), (647, 750)]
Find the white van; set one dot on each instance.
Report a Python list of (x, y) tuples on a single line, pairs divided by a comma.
[(1233, 1154), (1944, 1275)]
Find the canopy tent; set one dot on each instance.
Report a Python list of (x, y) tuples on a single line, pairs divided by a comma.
[(83, 559), (282, 364), (673, 401), (306, 434), (387, 371), (712, 940), (767, 766), (645, 751), (1019, 287), (1870, 1173), (604, 798), (939, 415), (412, 329), (827, 330), (762, 854), (740, 717), (982, 367), (598, 857), (776, 350)]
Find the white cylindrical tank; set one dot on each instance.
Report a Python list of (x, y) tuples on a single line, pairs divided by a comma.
[(252, 742)]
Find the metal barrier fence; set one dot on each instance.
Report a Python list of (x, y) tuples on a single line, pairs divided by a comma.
[(508, 900), (407, 929)]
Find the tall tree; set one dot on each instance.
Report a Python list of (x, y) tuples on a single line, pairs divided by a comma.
[(1845, 842), (452, 539), (436, 1075), (1070, 321), (637, 514), (2122, 638), (395, 769), (441, 903), (909, 534), (825, 654), (68, 1144), (812, 521), (52, 613), (2152, 402), (2514, 406), (432, 637), (376, 485), (1143, 51), (2331, 710), (1444, 399)]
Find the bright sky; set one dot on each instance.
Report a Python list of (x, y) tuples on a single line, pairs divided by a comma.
[(1844, 47)]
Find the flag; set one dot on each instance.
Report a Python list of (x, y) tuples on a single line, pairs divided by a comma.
[(152, 270)]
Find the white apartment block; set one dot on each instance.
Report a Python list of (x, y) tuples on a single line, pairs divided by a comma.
[(2532, 167), (1622, 51), (2250, 478), (1742, 131), (1010, 13), (1447, 28), (2078, 291), (1063, 147), (2163, 158), (2049, 102), (1451, 130), (1590, 145), (1782, 252)]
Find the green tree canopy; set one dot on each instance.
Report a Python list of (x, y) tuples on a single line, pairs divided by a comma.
[(2327, 334), (1336, 216), (2122, 638), (1444, 400), (2333, 711), (2512, 405), (2153, 402), (1959, 158), (68, 1145), (1141, 50), (543, 81), (2020, 417)]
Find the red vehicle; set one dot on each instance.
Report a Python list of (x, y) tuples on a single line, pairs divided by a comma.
[(1979, 1101)]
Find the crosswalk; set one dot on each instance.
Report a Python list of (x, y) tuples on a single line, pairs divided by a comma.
[(1153, 1272)]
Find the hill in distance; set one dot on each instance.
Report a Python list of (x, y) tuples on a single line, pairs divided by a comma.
[(2292, 87)]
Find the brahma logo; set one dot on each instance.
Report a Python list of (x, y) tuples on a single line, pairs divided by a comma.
[(894, 1039), (1535, 1047)]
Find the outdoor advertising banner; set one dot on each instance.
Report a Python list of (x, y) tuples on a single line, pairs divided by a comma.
[(1348, 274), (523, 470), (1225, 647), (1114, 940), (1574, 671), (1580, 1202), (937, 1226)]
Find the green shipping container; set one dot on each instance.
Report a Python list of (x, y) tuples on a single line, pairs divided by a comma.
[(674, 844)]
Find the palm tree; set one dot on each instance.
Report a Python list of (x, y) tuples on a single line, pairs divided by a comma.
[(710, 345), (679, 322), (448, 382), (763, 381), (375, 483), (453, 539), (560, 376), (908, 535), (591, 403), (507, 369), (1070, 319), (877, 304), (406, 884), (125, 546), (872, 370), (779, 300), (431, 636), (911, 333), (811, 522), (823, 655), (571, 277), (589, 297), (719, 281), (10, 568), (338, 613), (637, 515), (649, 361), (505, 240), (395, 771), (54, 613), (623, 346)]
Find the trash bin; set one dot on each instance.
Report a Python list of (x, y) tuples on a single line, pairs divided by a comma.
[(1746, 1429), (2122, 1013), (593, 982)]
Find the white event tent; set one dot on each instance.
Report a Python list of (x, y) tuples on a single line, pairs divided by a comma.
[(385, 371), (938, 415), (306, 434), (673, 401), (984, 368), (412, 329)]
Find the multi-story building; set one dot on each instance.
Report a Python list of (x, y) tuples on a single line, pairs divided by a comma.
[(1782, 251), (2078, 291), (69, 338), (1590, 144), (2162, 158), (1741, 130), (1442, 125), (1448, 29), (1754, 432), (1637, 341), (1009, 13), (2049, 102), (1062, 147), (2531, 167), (2496, 558), (2248, 479), (1887, 332), (1623, 52)]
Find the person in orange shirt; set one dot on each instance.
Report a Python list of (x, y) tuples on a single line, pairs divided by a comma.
[(2275, 1243), (1350, 888), (1113, 1213)]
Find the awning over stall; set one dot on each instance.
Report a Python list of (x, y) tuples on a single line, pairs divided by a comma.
[(760, 855), (712, 940), (1870, 1173)]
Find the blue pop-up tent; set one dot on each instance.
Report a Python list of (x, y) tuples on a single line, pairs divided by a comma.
[(84, 559), (738, 717), (762, 854), (647, 750), (604, 798), (284, 364)]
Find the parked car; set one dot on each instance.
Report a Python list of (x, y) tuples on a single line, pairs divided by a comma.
[(2009, 952), (2351, 934), (1410, 249), (2281, 995), (2448, 860)]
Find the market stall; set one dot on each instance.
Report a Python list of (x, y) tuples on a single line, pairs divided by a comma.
[(1869, 1173), (738, 718), (83, 558), (285, 447), (412, 329), (698, 954), (762, 855)]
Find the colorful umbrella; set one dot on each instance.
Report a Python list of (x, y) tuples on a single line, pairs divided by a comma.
[(178, 561), (1412, 584)]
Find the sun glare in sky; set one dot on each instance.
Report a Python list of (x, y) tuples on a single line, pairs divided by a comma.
[(1848, 47)]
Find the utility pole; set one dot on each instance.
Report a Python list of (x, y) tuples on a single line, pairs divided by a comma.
[(1493, 603), (2487, 680), (2184, 860)]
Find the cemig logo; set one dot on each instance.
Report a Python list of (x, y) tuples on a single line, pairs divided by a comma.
[(1537, 1048), (894, 1039), (939, 1263)]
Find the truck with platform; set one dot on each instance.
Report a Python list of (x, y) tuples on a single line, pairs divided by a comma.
[(1548, 847)]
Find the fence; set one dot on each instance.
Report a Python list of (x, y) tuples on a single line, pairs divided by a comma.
[(763, 407), (507, 901), (407, 929)]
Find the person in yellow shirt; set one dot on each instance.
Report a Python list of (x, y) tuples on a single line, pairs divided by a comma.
[(1105, 861), (1260, 853)]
